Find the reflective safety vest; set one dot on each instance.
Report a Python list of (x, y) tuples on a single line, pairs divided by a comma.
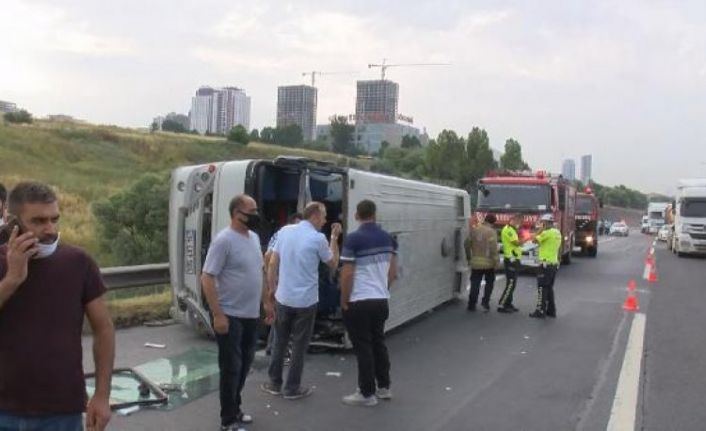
[(549, 244), (508, 236)]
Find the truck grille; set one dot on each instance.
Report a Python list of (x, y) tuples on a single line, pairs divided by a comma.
[(698, 235)]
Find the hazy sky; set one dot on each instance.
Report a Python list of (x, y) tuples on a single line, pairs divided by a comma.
[(622, 80)]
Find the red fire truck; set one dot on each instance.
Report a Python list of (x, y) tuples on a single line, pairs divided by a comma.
[(531, 195), (587, 208)]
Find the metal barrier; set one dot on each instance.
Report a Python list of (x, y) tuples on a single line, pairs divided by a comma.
[(121, 277)]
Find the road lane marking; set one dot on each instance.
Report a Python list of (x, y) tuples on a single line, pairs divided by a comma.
[(624, 412)]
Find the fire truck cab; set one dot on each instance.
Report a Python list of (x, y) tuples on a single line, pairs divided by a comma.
[(508, 193), (587, 215)]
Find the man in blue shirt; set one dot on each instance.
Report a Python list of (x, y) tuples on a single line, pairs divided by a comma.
[(293, 282), (369, 266)]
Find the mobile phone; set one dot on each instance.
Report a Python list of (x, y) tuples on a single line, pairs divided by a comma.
[(6, 230)]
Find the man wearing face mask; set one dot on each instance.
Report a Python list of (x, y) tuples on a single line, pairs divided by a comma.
[(233, 284), (46, 288), (293, 283)]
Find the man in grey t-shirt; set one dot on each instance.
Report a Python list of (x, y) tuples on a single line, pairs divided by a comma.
[(233, 284)]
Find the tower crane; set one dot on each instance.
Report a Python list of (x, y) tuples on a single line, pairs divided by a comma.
[(315, 73), (384, 65)]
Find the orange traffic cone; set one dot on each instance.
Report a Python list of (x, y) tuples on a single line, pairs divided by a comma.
[(630, 303), (652, 277), (648, 268), (632, 285)]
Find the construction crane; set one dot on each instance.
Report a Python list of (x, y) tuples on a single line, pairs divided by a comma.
[(383, 67), (314, 73)]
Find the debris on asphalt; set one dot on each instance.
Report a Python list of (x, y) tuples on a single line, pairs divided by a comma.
[(156, 345), (334, 374), (128, 410), (448, 388)]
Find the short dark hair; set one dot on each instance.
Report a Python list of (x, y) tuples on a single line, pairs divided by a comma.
[(236, 204), (366, 209), (29, 192), (312, 209), (294, 217), (490, 218), (3, 194)]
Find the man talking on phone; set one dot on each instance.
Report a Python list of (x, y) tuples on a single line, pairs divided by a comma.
[(46, 288)]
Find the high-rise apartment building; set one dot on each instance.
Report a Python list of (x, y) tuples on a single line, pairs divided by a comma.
[(586, 162), (568, 169), (219, 110), (296, 104), (376, 101)]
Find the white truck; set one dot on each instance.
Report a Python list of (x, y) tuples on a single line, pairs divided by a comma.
[(656, 216), (428, 221), (689, 212)]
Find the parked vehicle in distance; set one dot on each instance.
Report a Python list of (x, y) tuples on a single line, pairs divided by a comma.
[(664, 233), (689, 215), (656, 216), (619, 228), (645, 224), (587, 215)]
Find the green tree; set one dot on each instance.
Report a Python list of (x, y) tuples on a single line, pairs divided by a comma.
[(409, 141), (173, 126), (342, 136), (132, 224), (445, 157), (254, 135), (288, 136), (18, 117), (239, 134), (268, 135), (512, 158), (384, 145), (153, 127), (479, 159)]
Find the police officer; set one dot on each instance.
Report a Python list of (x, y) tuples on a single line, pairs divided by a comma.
[(549, 240), (512, 251)]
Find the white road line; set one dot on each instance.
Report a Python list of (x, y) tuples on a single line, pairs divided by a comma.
[(624, 411)]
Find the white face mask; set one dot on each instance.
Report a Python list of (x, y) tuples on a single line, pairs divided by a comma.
[(46, 250)]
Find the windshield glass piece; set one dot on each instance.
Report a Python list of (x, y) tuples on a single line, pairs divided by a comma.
[(514, 196)]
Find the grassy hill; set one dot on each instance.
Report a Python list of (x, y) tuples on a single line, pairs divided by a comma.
[(86, 163)]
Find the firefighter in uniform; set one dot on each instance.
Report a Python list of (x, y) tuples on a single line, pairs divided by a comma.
[(549, 240), (482, 248), (512, 251)]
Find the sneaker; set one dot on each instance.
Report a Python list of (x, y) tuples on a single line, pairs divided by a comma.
[(537, 314), (357, 399), (506, 310), (383, 394), (302, 392), (244, 418), (231, 427), (271, 389), (486, 306), (513, 308)]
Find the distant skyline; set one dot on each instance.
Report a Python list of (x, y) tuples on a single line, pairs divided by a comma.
[(623, 81)]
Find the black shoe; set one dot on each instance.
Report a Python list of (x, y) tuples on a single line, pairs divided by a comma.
[(537, 314), (506, 310), (471, 307), (486, 306), (513, 308), (300, 393), (552, 314)]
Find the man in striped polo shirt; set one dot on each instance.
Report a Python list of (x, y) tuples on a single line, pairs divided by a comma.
[(369, 266)]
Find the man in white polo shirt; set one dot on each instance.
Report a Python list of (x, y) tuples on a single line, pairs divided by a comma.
[(293, 281), (369, 266)]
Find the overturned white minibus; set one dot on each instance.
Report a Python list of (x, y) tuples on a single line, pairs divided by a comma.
[(428, 221)]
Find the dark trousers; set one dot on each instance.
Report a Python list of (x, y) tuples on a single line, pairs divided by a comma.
[(297, 325), (365, 323), (477, 276), (236, 351), (545, 289), (512, 269)]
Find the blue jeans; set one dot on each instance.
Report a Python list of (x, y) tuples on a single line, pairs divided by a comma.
[(43, 423)]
